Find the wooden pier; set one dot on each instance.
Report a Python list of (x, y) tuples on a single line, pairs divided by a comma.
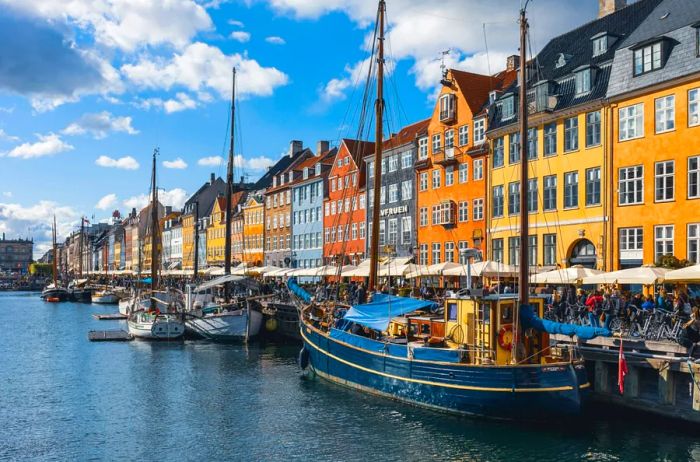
[(109, 316), (118, 335), (661, 379)]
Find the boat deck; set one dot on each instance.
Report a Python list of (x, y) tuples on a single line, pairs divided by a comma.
[(117, 335), (109, 316)]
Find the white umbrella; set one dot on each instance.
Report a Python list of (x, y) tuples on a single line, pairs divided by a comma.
[(214, 271), (425, 270), (572, 275), (691, 273), (645, 275), (397, 270), (486, 268)]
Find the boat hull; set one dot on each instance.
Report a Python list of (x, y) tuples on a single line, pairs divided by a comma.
[(55, 295), (528, 392), (105, 299), (163, 327), (229, 326)]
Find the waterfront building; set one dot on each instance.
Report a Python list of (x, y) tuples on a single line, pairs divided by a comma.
[(237, 232), (168, 225), (566, 153), (16, 254), (654, 95), (253, 229), (451, 166), (199, 205), (278, 208), (216, 231), (145, 228), (397, 226), (131, 255), (344, 217), (309, 190)]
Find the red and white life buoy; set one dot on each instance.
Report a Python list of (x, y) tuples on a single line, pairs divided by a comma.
[(505, 337)]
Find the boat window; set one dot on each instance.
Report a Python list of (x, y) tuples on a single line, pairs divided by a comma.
[(425, 329), (451, 311), (506, 313), (485, 313)]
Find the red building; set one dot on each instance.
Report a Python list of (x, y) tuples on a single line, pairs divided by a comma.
[(344, 211)]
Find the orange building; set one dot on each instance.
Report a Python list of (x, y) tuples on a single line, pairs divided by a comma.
[(451, 167), (253, 230), (344, 210)]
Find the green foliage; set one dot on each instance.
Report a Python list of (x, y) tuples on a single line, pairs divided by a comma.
[(672, 262), (40, 269)]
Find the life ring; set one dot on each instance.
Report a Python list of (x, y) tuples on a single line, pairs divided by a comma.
[(505, 337)]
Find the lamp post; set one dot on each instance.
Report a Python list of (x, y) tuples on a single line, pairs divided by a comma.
[(468, 254)]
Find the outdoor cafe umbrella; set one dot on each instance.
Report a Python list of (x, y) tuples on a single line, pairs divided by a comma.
[(571, 275), (645, 275), (690, 274)]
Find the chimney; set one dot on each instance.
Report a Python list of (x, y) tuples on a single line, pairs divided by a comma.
[(322, 146), (168, 209), (133, 212), (213, 178), (242, 178), (295, 146), (606, 7), (512, 62)]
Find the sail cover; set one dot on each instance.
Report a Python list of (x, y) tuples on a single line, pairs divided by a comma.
[(298, 290), (529, 319), (377, 314)]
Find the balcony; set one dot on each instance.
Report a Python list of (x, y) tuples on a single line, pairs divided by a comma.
[(448, 116), (448, 156)]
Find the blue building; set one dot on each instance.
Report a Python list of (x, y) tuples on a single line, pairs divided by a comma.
[(309, 189)]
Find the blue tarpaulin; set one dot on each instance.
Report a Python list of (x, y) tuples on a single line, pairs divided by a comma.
[(297, 290), (377, 314), (529, 319), (146, 281)]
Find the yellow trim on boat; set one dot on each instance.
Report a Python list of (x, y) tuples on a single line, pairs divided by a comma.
[(446, 385)]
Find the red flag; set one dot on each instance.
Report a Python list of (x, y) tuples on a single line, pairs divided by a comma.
[(621, 370)]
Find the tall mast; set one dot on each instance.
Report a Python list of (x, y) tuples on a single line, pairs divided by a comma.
[(196, 237), (229, 190), (523, 282), (55, 253), (80, 246), (378, 137), (154, 230)]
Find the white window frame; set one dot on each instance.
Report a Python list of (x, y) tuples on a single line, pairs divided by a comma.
[(631, 122), (406, 159), (393, 163), (479, 130), (478, 170), (463, 211), (478, 209), (423, 216), (661, 237), (436, 179), (449, 175), (637, 182), (436, 143), (693, 244), (406, 229), (449, 138), (423, 148), (664, 173), (694, 107), (463, 172), (393, 193), (665, 114), (424, 181), (406, 190), (693, 177), (463, 135)]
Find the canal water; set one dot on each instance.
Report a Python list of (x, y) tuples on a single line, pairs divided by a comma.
[(64, 398)]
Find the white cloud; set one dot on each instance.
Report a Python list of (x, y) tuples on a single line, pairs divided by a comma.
[(7, 110), (235, 22), (7, 193), (125, 163), (275, 40), (181, 102), (175, 197), (254, 163), (240, 36), (355, 75), (99, 125), (47, 145), (176, 164), (212, 161), (7, 137), (200, 67), (106, 202)]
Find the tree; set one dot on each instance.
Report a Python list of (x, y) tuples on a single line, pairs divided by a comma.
[(672, 262)]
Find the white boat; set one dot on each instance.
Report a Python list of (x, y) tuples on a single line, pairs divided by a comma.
[(105, 297), (153, 325), (223, 326)]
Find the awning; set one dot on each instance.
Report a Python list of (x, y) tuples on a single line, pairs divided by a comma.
[(645, 275), (377, 314), (572, 275), (486, 268), (690, 274), (221, 281)]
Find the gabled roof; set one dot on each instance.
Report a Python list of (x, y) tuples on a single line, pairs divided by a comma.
[(325, 159), (205, 197), (476, 87), (303, 156), (282, 164), (681, 13), (407, 134)]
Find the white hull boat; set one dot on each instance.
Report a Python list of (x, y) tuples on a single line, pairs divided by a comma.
[(105, 298), (227, 325), (153, 326)]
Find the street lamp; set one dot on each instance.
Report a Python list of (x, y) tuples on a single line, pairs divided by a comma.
[(468, 254)]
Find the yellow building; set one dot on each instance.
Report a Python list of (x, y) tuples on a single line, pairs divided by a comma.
[(198, 208), (216, 233), (253, 230)]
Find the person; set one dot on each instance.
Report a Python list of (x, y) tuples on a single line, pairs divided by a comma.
[(593, 303), (648, 304), (661, 301), (691, 331), (361, 294)]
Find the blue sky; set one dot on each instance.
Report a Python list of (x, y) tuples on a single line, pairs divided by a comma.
[(88, 89)]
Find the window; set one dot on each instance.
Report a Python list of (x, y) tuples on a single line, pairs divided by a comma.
[(382, 240), (531, 143), (393, 231), (463, 172), (436, 178), (406, 159), (362, 201), (497, 250), (663, 241), (393, 163), (665, 113), (532, 250), (694, 106), (514, 250), (437, 140), (449, 138), (631, 122), (423, 148), (382, 195), (694, 177), (370, 169), (479, 131), (583, 81), (514, 148), (532, 195), (393, 193), (478, 169), (571, 189), (449, 175), (450, 251), (571, 134), (443, 214), (464, 135), (463, 214), (513, 198), (424, 181), (424, 216), (647, 59), (663, 181), (478, 209), (631, 185), (423, 257), (436, 215), (498, 152), (593, 186), (347, 160), (340, 234), (406, 226), (694, 243), (550, 249), (631, 243), (462, 247), (592, 129), (507, 106), (550, 139), (447, 107), (497, 207), (600, 45), (362, 230), (436, 253), (406, 190)]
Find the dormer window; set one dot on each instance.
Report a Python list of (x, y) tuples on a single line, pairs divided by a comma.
[(562, 60), (492, 96), (600, 45), (447, 107), (507, 106), (318, 169), (306, 172), (584, 80), (291, 176), (648, 58), (274, 181)]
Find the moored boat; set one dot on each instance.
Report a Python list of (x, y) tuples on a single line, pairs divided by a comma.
[(155, 325), (105, 297)]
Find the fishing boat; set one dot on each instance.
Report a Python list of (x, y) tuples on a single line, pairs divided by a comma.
[(232, 319), (105, 297), (476, 354), (151, 317), (53, 292)]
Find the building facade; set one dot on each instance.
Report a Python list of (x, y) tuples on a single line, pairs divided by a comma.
[(253, 230), (196, 211), (16, 254)]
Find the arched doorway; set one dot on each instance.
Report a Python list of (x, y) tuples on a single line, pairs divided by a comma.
[(583, 253)]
